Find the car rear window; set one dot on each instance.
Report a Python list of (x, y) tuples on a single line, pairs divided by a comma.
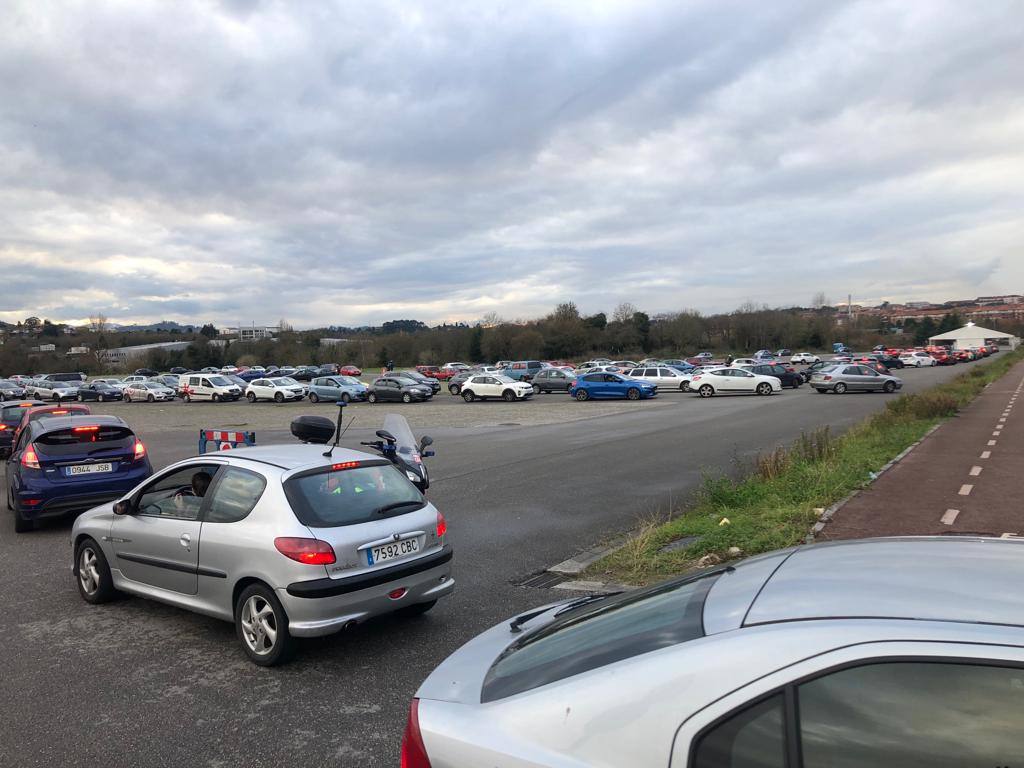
[(599, 634), (351, 495), (85, 439)]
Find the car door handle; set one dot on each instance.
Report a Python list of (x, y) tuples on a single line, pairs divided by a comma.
[(186, 541)]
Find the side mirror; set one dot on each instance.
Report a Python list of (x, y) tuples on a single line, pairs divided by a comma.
[(425, 441), (383, 434), (123, 507)]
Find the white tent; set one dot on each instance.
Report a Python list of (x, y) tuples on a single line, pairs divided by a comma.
[(972, 335)]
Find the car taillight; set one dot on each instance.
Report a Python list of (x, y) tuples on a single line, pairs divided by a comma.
[(827, 378), (414, 754), (140, 449), (305, 551), (3, 427), (29, 459), (442, 525), (85, 429), (696, 378)]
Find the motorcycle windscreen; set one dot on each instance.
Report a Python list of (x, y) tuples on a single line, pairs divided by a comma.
[(406, 442)]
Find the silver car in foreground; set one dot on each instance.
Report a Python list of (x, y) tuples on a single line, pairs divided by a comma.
[(852, 378), (885, 652), (281, 540)]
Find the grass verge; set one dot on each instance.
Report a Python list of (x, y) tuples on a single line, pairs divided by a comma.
[(774, 506)]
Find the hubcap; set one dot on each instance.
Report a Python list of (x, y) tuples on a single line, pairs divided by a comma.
[(259, 625), (88, 573)]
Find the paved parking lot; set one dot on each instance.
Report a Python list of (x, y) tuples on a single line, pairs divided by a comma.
[(137, 683)]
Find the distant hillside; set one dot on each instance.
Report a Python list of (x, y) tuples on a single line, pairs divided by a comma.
[(165, 326)]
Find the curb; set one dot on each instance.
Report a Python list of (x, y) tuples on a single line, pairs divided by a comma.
[(830, 512)]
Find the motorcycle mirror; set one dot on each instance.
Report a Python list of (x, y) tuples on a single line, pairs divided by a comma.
[(425, 441), (383, 434)]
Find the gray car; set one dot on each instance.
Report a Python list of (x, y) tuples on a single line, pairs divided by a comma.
[(10, 390), (885, 652), (45, 389), (852, 378), (280, 540)]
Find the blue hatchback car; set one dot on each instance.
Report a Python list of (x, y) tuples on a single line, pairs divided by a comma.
[(70, 464), (334, 388), (609, 385)]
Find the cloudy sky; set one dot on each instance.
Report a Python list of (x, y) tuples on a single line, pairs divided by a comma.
[(349, 163)]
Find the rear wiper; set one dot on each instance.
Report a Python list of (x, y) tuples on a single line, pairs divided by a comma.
[(389, 507)]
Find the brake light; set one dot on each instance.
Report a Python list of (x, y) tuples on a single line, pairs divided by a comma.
[(344, 465), (305, 551), (3, 427), (140, 449), (29, 459), (62, 412), (827, 378), (414, 754), (85, 429), (696, 378), (442, 525)]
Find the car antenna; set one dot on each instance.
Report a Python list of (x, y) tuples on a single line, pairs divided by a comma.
[(338, 431)]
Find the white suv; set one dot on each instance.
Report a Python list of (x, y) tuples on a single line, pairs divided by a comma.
[(483, 387), (278, 389), (918, 359), (804, 357)]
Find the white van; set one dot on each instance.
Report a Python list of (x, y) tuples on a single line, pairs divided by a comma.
[(208, 386)]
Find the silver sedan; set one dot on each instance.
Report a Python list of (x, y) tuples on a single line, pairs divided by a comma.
[(885, 652), (853, 378), (280, 540)]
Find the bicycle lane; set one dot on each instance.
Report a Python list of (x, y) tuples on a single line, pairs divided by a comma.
[(966, 477)]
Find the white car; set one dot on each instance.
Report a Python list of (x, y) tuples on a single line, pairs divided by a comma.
[(804, 357), (279, 390), (150, 391), (484, 386), (746, 361), (918, 359), (135, 379), (661, 377), (688, 377), (733, 381), (44, 389), (598, 369), (229, 369)]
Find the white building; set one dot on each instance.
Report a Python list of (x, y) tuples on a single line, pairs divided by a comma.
[(121, 354), (251, 332), (332, 342), (972, 335)]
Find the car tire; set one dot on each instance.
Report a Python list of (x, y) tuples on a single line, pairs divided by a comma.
[(764, 388), (412, 611), (278, 397), (453, 389), (706, 390), (259, 619), (56, 399), (406, 398), (250, 396), (582, 395), (889, 387), (536, 389), (346, 398), (839, 388), (127, 397), (215, 398), (100, 398), (79, 399), (468, 396), (632, 393), (150, 399), (92, 573), (508, 396), (372, 397)]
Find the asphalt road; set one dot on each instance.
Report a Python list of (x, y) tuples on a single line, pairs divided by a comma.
[(142, 684)]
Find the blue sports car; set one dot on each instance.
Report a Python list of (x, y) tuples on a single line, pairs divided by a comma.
[(598, 385)]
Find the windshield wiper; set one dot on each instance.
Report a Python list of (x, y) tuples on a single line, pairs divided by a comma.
[(584, 600), (397, 505), (516, 625)]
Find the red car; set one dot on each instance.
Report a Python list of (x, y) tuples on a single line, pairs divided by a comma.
[(350, 370), (441, 374)]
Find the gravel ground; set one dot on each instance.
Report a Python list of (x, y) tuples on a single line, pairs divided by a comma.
[(443, 411)]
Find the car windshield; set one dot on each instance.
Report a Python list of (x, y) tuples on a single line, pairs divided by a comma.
[(283, 382), (219, 381), (347, 380), (504, 379), (152, 385), (7, 383), (600, 633), (349, 496)]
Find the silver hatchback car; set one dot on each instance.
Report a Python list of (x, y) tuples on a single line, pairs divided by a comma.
[(281, 540), (886, 652), (852, 378)]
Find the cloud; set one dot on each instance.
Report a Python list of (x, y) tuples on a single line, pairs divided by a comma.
[(344, 164)]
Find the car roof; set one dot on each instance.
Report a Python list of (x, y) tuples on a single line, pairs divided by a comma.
[(297, 455), (937, 578), (57, 423)]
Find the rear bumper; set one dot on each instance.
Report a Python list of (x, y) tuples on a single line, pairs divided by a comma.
[(62, 505), (323, 606)]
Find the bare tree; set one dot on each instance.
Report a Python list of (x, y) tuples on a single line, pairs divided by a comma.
[(491, 320), (623, 313), (284, 325), (821, 300), (98, 322)]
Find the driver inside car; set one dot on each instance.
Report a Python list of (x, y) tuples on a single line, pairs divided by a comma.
[(187, 501)]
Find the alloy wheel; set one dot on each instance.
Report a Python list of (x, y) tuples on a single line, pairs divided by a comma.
[(259, 625), (88, 572)]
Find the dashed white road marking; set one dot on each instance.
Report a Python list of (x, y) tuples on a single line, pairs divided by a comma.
[(996, 433), (975, 471), (965, 490), (986, 454), (1003, 419), (991, 442), (950, 516)]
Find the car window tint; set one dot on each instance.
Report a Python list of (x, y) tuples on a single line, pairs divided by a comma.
[(599, 634), (349, 496), (593, 377), (664, 372), (913, 715), (236, 494), (178, 494), (752, 738)]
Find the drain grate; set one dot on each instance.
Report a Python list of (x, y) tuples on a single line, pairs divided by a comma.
[(543, 580)]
